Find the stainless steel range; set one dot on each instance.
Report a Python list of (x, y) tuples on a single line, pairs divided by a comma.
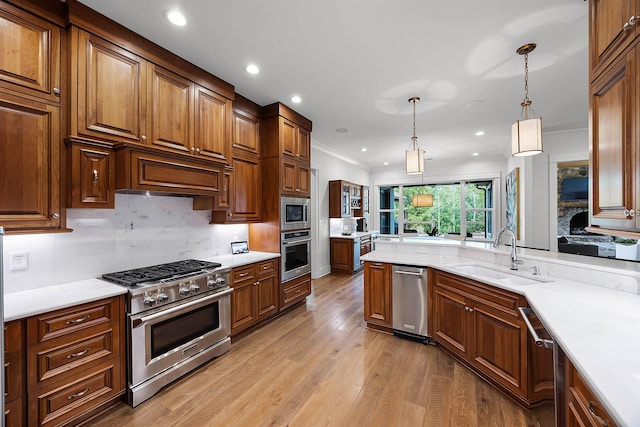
[(178, 317)]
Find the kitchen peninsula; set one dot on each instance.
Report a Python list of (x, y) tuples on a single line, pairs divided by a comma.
[(591, 310)]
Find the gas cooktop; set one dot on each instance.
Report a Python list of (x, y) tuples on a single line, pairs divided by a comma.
[(156, 273)]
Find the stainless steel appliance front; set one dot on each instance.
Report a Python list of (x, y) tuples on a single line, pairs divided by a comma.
[(168, 342), (296, 254), (294, 213), (409, 302)]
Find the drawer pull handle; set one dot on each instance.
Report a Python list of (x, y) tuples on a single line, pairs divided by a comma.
[(95, 177), (78, 354), (76, 321), (243, 274), (80, 394), (592, 406)]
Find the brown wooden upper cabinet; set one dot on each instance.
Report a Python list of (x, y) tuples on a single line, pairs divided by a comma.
[(614, 25), (29, 55), (121, 97), (614, 109)]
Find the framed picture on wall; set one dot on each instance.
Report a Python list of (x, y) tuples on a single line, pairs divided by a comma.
[(513, 219)]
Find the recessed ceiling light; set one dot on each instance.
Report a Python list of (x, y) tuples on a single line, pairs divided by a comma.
[(252, 69), (176, 18), (342, 130), (479, 133), (363, 149), (296, 99), (475, 154), (385, 163)]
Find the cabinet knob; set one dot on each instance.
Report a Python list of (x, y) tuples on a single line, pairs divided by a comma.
[(56, 91), (95, 177), (632, 20), (143, 137), (626, 26), (55, 216), (193, 149), (632, 213), (197, 150)]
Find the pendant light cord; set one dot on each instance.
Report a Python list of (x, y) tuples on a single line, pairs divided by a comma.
[(526, 77), (414, 137)]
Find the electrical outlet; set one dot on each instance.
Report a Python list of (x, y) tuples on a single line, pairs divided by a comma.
[(19, 260)]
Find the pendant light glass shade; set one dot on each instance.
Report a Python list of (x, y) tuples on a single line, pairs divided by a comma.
[(415, 154), (526, 132), (422, 200)]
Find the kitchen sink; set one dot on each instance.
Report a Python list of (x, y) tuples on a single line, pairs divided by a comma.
[(498, 275)]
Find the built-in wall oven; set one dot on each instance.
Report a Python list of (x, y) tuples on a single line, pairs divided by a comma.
[(296, 254), (294, 213), (178, 317)]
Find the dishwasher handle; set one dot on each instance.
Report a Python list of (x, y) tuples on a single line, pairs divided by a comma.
[(410, 273), (540, 342)]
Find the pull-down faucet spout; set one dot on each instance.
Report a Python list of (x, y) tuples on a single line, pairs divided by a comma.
[(514, 255)]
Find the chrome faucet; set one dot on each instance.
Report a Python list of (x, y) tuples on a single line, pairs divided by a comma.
[(514, 255)]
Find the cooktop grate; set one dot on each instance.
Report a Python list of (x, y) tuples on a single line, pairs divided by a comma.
[(159, 272)]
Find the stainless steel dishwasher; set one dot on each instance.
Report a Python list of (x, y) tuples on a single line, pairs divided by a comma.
[(409, 296)]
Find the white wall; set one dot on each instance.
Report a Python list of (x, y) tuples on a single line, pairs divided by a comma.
[(140, 231), (328, 167)]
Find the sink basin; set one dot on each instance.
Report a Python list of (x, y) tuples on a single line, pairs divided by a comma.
[(497, 275)]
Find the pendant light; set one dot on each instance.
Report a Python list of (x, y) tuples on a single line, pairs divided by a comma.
[(415, 155), (526, 132), (422, 201)]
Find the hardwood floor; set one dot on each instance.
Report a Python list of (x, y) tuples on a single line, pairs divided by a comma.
[(319, 366)]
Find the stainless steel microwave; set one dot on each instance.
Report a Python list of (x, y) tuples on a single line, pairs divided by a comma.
[(294, 213)]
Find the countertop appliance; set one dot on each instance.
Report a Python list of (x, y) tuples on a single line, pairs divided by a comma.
[(2, 381), (294, 213), (295, 247), (178, 317), (409, 295), (362, 224)]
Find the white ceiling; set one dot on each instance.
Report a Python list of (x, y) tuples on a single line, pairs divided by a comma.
[(355, 63)]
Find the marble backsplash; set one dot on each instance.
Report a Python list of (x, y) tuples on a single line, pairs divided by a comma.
[(140, 231)]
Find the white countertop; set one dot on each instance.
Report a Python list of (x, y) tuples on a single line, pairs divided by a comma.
[(18, 305), (353, 235), (598, 328)]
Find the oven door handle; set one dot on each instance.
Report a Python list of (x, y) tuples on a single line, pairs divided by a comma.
[(289, 242), (140, 320)]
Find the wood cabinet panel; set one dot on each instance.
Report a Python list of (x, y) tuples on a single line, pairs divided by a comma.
[(170, 111), (295, 290), (450, 320), (111, 90), (13, 336), (246, 133), (377, 294), (91, 176), (267, 296), (582, 406), (212, 125), (29, 55), (14, 373), (303, 141), (288, 134), (242, 306), (30, 178), (13, 413), (246, 200), (342, 256), (255, 294), (13, 376)]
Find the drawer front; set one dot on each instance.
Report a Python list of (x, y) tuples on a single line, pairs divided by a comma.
[(63, 401), (13, 378), (49, 361), (13, 340), (297, 293), (13, 413), (241, 274), (582, 400), (267, 268), (68, 321)]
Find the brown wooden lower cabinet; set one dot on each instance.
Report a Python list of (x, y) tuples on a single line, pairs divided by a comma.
[(13, 413), (13, 376), (480, 325), (377, 295), (295, 290), (582, 408)]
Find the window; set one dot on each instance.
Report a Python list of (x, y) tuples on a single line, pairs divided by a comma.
[(465, 207)]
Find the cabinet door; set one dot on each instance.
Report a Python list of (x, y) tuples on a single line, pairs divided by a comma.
[(223, 201), (610, 30), (267, 296), (303, 179), (288, 185), (246, 134), (303, 149), (110, 84), (247, 193), (30, 175), (212, 125), (377, 293), (497, 346), (29, 54), (170, 115), (451, 320), (612, 145), (342, 255), (288, 138), (242, 306), (91, 177)]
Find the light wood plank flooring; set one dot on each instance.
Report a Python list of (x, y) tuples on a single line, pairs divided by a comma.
[(319, 366)]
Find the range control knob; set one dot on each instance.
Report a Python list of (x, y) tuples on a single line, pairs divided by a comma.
[(211, 283), (194, 288), (184, 292), (149, 301), (220, 281), (162, 298)]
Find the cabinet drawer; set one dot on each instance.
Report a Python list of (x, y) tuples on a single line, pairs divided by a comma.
[(63, 401), (583, 402), (13, 413), (497, 298), (13, 378), (267, 268), (297, 292), (241, 274), (68, 321), (48, 362), (13, 337)]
